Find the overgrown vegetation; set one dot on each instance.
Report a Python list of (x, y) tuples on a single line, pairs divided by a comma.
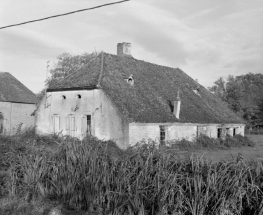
[(93, 175), (242, 95)]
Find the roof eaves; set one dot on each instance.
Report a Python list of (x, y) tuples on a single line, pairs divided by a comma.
[(91, 87)]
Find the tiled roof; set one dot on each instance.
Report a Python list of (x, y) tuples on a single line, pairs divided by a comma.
[(12, 90), (155, 88)]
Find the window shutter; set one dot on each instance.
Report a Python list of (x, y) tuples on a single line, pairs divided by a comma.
[(72, 126), (83, 126), (67, 125)]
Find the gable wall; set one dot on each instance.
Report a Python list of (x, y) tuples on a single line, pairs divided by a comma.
[(15, 114), (106, 122)]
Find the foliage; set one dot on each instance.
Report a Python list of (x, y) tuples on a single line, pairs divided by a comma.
[(243, 94), (96, 176), (65, 65)]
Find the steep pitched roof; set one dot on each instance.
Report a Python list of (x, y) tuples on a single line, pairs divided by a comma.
[(12, 90), (155, 89)]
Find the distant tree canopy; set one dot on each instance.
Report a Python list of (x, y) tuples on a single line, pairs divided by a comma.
[(64, 66), (243, 94)]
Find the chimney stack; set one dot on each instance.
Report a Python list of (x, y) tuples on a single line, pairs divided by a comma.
[(177, 106), (124, 49)]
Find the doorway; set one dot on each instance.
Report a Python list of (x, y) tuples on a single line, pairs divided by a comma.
[(1, 123), (86, 125)]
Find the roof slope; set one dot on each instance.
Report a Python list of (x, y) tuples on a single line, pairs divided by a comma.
[(12, 90), (154, 90)]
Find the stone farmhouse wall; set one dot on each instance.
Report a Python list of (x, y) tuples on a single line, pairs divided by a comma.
[(78, 113), (17, 116)]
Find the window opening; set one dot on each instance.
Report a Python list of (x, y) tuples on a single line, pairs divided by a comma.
[(63, 97), (234, 131), (219, 132), (162, 134), (1, 123), (78, 96)]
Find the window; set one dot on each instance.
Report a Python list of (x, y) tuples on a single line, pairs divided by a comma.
[(162, 134), (78, 96), (86, 125), (70, 125), (56, 123), (63, 97)]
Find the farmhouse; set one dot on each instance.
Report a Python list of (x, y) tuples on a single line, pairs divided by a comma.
[(127, 100), (16, 105)]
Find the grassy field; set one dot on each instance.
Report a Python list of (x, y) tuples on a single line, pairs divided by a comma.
[(229, 154), (95, 177)]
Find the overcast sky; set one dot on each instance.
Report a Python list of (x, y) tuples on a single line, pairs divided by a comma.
[(207, 39)]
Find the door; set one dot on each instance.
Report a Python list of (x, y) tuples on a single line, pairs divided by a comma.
[(1, 123)]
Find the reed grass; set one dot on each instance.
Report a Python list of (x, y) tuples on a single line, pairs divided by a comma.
[(93, 175)]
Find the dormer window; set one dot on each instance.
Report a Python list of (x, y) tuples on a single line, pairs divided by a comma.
[(63, 97), (196, 91), (130, 80)]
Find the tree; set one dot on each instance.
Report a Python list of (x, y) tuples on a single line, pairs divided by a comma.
[(219, 88), (65, 65), (243, 94)]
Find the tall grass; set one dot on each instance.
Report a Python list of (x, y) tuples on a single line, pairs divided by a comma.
[(93, 175)]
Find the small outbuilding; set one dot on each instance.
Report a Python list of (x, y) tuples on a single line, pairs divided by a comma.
[(17, 103), (127, 100)]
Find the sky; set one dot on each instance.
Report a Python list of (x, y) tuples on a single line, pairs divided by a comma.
[(207, 39)]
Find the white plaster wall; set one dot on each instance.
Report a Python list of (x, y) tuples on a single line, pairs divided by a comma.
[(143, 132), (176, 131), (106, 122), (181, 131), (16, 113), (5, 109), (151, 131), (21, 113)]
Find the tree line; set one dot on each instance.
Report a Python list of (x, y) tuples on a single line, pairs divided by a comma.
[(243, 94)]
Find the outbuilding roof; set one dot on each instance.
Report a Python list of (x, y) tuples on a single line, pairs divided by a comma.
[(150, 99), (12, 90)]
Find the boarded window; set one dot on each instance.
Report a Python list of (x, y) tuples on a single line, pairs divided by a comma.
[(162, 134), (56, 123)]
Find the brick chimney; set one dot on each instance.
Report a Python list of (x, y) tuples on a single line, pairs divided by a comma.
[(177, 106), (124, 49)]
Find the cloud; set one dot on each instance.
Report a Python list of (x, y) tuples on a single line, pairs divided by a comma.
[(26, 43)]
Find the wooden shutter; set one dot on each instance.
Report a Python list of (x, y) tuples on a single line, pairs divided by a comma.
[(67, 125), (72, 126), (83, 126)]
